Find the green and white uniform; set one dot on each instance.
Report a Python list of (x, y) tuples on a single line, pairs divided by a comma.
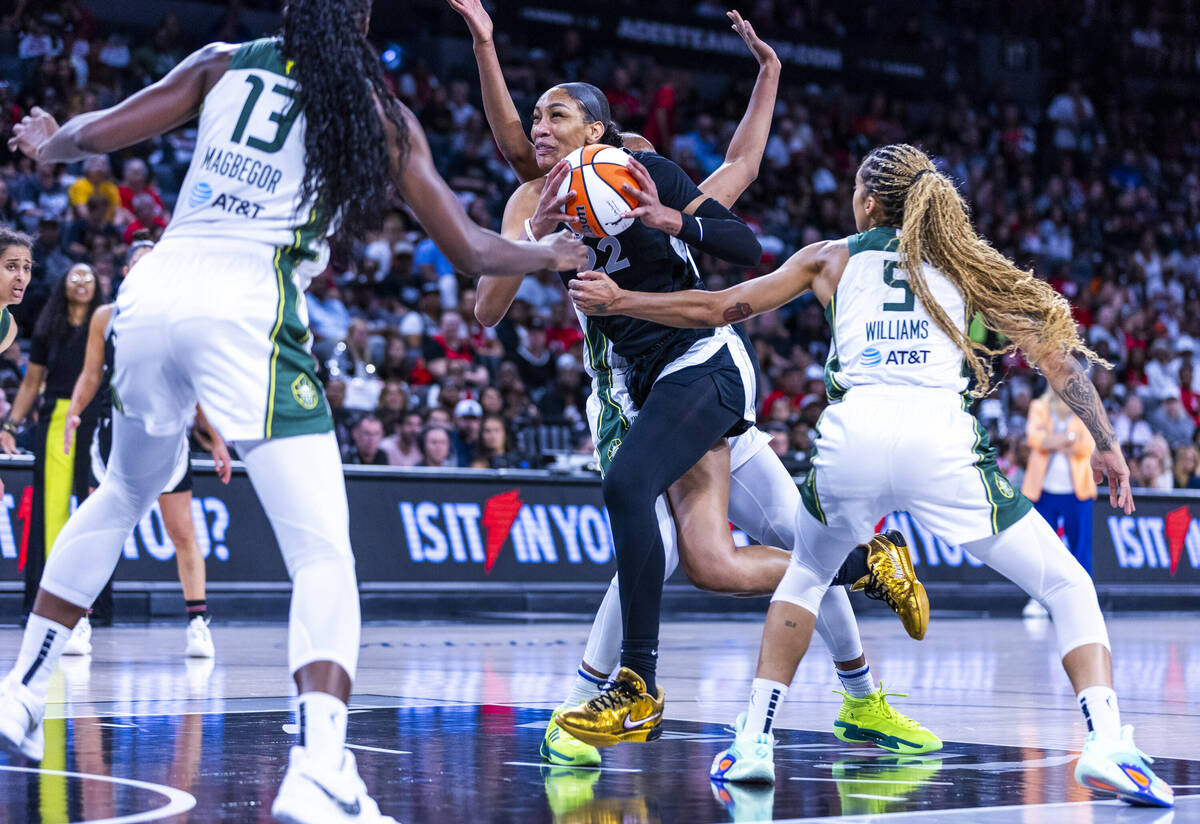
[(897, 435), (215, 313)]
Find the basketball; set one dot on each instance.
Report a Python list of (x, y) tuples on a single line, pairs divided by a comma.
[(597, 172)]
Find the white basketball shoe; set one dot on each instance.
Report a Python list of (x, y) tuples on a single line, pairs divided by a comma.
[(80, 642), (199, 639), (21, 720), (312, 793)]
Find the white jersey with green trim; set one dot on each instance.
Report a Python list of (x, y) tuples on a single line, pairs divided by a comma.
[(244, 179), (882, 335)]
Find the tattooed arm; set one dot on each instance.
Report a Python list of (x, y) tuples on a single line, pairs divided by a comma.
[(1073, 385), (594, 293)]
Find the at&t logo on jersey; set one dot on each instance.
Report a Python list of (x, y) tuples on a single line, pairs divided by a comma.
[(871, 356), (231, 205), (200, 195), (907, 357)]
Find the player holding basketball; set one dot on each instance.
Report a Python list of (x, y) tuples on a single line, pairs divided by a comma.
[(297, 137), (901, 437), (764, 497)]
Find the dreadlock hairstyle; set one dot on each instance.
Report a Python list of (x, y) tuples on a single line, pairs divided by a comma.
[(935, 228), (341, 90)]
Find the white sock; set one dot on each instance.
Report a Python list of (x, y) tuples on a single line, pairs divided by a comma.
[(1099, 705), (322, 720), (857, 682), (765, 699), (41, 647), (585, 688)]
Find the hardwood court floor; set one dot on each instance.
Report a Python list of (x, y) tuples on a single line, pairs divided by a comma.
[(448, 719)]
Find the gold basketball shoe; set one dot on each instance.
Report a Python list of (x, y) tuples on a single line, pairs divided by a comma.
[(891, 579), (623, 712)]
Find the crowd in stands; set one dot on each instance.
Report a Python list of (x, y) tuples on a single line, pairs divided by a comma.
[(1094, 187)]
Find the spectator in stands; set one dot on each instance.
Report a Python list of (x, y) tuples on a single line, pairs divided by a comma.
[(534, 361), (97, 179), (1149, 473), (790, 390), (9, 214), (44, 197), (491, 401), (1187, 395), (327, 315), (564, 401), (393, 404), (403, 445), (494, 451), (1161, 377), (436, 447), (367, 433), (95, 224), (1172, 422), (146, 217), (467, 414), (1058, 474), (135, 181), (1133, 433), (1187, 468)]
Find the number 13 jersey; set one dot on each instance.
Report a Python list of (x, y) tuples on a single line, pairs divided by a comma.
[(881, 332), (244, 178)]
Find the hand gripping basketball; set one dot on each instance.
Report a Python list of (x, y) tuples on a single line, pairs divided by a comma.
[(602, 184), (552, 204)]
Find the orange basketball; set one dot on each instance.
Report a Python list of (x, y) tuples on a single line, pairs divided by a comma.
[(597, 173)]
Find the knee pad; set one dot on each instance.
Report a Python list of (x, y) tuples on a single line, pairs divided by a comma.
[(803, 586), (324, 621), (1030, 554)]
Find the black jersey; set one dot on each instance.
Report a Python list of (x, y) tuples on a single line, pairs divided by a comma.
[(649, 260)]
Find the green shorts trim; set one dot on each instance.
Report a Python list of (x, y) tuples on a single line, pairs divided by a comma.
[(296, 402)]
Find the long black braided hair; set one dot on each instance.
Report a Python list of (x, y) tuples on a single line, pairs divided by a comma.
[(341, 90)]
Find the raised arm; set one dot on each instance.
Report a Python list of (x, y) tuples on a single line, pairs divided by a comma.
[(1070, 380), (469, 247), (594, 293), (154, 110), (746, 148), (502, 115)]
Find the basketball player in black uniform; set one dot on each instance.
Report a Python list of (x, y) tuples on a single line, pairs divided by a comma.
[(692, 387)]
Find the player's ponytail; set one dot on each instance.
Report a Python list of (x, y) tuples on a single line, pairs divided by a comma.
[(342, 92), (935, 228)]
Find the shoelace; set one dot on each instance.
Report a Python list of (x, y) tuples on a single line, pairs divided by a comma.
[(619, 693), (885, 709)]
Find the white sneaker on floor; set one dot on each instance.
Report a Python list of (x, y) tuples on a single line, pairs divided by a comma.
[(199, 639), (80, 642), (1116, 765), (751, 758), (312, 793), (21, 720), (1034, 609)]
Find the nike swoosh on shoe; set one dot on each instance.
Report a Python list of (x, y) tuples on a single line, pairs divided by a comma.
[(642, 723), (347, 809)]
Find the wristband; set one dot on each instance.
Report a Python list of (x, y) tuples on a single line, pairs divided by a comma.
[(529, 229), (8, 426)]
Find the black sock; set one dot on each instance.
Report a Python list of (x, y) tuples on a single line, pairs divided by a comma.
[(642, 658), (195, 608), (854, 568)]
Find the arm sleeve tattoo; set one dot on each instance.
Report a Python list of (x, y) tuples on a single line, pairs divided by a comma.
[(1078, 393)]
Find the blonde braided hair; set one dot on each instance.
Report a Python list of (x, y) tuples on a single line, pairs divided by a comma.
[(936, 228)]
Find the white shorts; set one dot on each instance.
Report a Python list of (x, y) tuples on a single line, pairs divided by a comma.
[(226, 326), (888, 448)]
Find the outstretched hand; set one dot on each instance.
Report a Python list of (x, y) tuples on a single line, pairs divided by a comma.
[(1111, 462), (593, 293), (763, 53), (34, 129), (478, 20)]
